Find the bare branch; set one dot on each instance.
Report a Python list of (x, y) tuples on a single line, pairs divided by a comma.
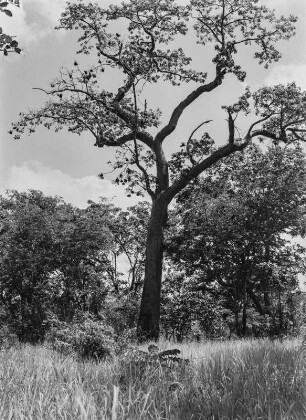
[(171, 126), (295, 133), (142, 169), (231, 127), (190, 137), (257, 122)]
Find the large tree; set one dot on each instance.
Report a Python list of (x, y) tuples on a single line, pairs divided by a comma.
[(146, 51)]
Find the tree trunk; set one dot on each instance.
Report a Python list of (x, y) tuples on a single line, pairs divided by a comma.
[(148, 323)]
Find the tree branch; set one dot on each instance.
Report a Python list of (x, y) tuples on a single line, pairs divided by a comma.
[(295, 133), (231, 128), (195, 171), (142, 169), (257, 122), (267, 134), (190, 137), (143, 137), (123, 90), (171, 126)]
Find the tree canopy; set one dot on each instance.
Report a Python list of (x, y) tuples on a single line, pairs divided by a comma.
[(53, 260), (232, 234)]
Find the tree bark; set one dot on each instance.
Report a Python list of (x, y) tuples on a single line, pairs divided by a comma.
[(148, 322)]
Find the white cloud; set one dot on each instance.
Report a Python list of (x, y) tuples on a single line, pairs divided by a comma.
[(283, 6), (33, 20), (34, 175), (48, 10), (288, 73)]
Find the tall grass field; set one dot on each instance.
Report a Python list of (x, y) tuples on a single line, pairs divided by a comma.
[(238, 380)]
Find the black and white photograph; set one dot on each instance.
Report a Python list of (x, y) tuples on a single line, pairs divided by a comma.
[(153, 210)]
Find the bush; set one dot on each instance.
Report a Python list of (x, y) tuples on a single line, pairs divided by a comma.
[(122, 314), (7, 338), (86, 337), (139, 367)]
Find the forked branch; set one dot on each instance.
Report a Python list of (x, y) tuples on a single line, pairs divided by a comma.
[(178, 111)]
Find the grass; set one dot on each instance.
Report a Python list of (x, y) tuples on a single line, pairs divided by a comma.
[(237, 380)]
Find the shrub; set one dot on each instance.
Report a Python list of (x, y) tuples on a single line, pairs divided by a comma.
[(122, 313), (88, 338), (141, 367), (7, 338)]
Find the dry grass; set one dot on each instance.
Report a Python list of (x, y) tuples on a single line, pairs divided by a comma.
[(230, 380)]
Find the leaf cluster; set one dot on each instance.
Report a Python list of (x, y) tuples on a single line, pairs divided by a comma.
[(7, 43)]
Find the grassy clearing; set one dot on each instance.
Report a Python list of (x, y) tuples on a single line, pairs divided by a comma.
[(230, 380)]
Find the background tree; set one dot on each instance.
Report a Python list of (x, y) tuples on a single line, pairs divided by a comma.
[(82, 243), (27, 260), (187, 312), (7, 43), (53, 261), (129, 231), (146, 52), (232, 232)]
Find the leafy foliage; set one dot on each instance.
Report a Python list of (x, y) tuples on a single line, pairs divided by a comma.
[(136, 364), (53, 259), (229, 237), (86, 337), (7, 43), (230, 24), (187, 312), (129, 233), (146, 51), (27, 260), (121, 312)]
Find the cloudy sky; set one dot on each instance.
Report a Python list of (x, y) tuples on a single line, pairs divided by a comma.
[(67, 165)]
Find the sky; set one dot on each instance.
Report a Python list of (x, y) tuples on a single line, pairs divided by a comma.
[(67, 165)]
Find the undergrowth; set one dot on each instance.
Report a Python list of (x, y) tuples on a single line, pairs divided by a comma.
[(239, 380)]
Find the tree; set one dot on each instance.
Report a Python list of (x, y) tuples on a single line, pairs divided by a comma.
[(188, 312), (129, 231), (53, 261), (27, 260), (7, 43), (146, 52), (232, 231), (82, 242)]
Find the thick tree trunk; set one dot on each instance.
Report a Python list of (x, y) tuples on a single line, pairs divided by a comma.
[(148, 323)]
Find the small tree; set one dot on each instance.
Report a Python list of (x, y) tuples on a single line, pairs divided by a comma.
[(146, 52), (231, 231)]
